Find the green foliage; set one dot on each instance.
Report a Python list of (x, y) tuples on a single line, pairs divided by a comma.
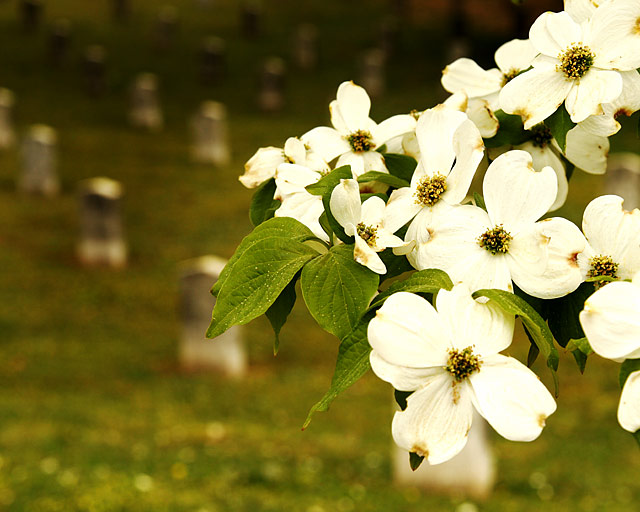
[(401, 166), (263, 205), (479, 200), (533, 322), (383, 177), (627, 368), (562, 314), (510, 133), (581, 350), (396, 265), (268, 262), (415, 460), (337, 289), (560, 123), (430, 281), (280, 309), (401, 398), (327, 183)]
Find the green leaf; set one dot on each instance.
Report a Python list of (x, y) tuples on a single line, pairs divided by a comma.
[(560, 123), (510, 133), (280, 309), (581, 359), (562, 314), (533, 322), (479, 200), (430, 280), (337, 290), (401, 166), (352, 363), (534, 351), (263, 205), (401, 398), (636, 434), (415, 460), (277, 228), (383, 177), (581, 344), (256, 280), (627, 368), (396, 265), (327, 183)]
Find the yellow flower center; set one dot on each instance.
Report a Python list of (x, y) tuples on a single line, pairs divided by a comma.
[(367, 233), (602, 266), (540, 135), (462, 363), (361, 141), (429, 190), (575, 61), (495, 240)]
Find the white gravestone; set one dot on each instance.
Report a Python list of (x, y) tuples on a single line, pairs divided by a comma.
[(305, 46), (7, 134), (101, 234), (373, 72), (471, 473), (145, 108), (210, 134), (226, 353), (271, 95), (39, 162), (623, 178), (213, 61)]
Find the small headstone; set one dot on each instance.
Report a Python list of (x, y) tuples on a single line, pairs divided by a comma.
[(101, 234), (373, 72), (213, 64), (145, 108), (251, 19), (210, 134), (120, 9), (226, 353), (272, 78), (59, 36), (30, 13), (389, 36), (305, 47), (95, 69), (623, 178), (7, 134), (39, 162), (166, 27), (471, 473)]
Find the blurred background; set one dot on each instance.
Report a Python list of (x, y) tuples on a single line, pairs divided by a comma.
[(97, 412)]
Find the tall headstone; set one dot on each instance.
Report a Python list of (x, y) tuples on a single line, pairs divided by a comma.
[(30, 14), (7, 133), (623, 178), (145, 111), (471, 473), (94, 64), (213, 63), (166, 27), (226, 353), (251, 18), (210, 134), (59, 36), (101, 235), (372, 74), (39, 162), (305, 46), (272, 80)]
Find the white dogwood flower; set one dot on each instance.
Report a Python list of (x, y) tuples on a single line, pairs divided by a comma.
[(355, 137), (450, 360), (629, 407), (368, 223), (578, 65)]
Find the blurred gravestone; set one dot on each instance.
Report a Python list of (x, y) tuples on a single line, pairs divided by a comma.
[(470, 473), (251, 19), (94, 65), (212, 61), (226, 353), (59, 36), (30, 14), (210, 134), (39, 162), (7, 134), (372, 74), (623, 178), (389, 36), (305, 46), (166, 27), (101, 235), (145, 108), (120, 9), (272, 78)]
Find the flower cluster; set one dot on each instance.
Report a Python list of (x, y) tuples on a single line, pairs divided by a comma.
[(393, 200)]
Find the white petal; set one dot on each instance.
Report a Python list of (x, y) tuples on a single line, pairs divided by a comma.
[(401, 208), (401, 377), (469, 150), (515, 193), (433, 424), (294, 149), (353, 160), (527, 260), (595, 88), (534, 95), (365, 255), (354, 104), (511, 398), (611, 322), (580, 10), (292, 178), (393, 127), (629, 101), (305, 208), (435, 131), (372, 211), (486, 327), (614, 35), (629, 408), (407, 331), (464, 75), (483, 117), (553, 32), (345, 203), (587, 151), (547, 157), (326, 142), (515, 55), (261, 166)]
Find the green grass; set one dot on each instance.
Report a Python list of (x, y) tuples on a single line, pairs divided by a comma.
[(95, 414)]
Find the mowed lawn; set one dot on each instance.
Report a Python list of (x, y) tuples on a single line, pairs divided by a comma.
[(95, 414)]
